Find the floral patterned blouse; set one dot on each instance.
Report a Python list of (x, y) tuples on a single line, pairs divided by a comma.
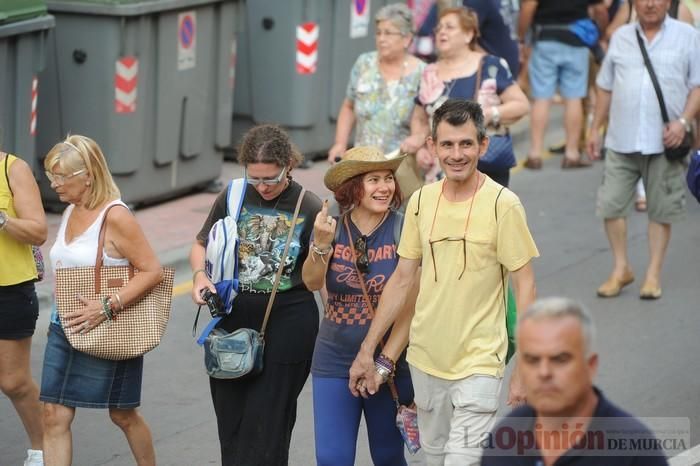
[(382, 109)]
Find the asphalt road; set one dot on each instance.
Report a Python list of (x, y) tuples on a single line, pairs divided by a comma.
[(648, 350)]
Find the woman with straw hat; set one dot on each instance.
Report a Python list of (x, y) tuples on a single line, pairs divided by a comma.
[(353, 257)]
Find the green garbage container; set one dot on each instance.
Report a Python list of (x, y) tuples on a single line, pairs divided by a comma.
[(19, 10), (270, 84), (149, 81), (24, 26)]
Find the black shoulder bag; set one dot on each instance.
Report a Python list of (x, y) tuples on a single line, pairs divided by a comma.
[(673, 154)]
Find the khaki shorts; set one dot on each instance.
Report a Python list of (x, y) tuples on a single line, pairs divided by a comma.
[(454, 416), (663, 182)]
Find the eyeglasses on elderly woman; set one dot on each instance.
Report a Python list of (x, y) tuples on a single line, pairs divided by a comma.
[(61, 179)]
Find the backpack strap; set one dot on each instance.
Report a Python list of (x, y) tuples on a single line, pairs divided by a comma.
[(234, 197), (235, 194), (503, 274), (398, 226)]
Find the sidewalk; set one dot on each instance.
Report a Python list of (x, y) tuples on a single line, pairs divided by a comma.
[(171, 226)]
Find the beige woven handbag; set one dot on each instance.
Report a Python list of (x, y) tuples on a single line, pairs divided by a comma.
[(136, 330)]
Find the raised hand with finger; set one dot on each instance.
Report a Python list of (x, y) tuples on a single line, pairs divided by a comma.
[(324, 229)]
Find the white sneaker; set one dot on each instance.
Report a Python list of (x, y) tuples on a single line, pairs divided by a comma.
[(34, 458)]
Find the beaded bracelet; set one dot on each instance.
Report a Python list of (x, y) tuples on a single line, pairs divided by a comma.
[(385, 366), (107, 309)]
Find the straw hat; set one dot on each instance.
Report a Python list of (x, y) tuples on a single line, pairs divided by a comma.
[(357, 161)]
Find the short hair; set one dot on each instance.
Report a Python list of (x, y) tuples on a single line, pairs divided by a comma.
[(350, 193), (559, 308), (397, 14), (268, 144), (457, 112), (468, 21), (78, 152)]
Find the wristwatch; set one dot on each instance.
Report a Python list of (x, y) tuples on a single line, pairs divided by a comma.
[(3, 220), (686, 124)]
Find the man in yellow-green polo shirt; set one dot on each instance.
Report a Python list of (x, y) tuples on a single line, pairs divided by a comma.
[(464, 230)]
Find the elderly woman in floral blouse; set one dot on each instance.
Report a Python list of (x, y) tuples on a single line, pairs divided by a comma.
[(382, 88)]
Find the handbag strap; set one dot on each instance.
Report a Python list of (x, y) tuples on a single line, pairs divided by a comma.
[(283, 258), (652, 75), (361, 279), (100, 251)]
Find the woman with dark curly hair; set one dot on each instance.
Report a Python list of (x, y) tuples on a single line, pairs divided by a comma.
[(255, 416)]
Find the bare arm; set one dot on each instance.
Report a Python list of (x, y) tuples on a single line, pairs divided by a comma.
[(514, 105), (199, 277), (600, 116), (346, 120), (599, 14), (527, 14), (391, 304), (123, 239), (618, 20), (419, 131), (30, 224), (525, 294), (313, 272), (524, 287), (685, 15), (674, 131)]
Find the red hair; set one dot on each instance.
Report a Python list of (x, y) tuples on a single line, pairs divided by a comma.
[(351, 192)]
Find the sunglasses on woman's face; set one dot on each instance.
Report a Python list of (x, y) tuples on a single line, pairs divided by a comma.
[(362, 260)]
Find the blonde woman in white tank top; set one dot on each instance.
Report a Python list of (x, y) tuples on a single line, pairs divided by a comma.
[(78, 173)]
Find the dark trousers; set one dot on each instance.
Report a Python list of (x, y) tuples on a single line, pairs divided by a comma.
[(255, 417)]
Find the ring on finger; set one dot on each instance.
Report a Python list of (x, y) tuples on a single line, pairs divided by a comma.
[(330, 220)]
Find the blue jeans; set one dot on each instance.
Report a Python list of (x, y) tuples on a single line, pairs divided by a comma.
[(337, 420)]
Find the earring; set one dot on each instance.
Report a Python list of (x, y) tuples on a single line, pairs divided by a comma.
[(87, 183)]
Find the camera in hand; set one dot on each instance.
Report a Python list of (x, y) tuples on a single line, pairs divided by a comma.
[(214, 303)]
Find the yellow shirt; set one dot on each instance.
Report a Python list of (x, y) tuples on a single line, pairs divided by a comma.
[(459, 325), (16, 258)]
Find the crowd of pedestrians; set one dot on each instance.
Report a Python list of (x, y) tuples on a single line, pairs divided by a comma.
[(416, 272)]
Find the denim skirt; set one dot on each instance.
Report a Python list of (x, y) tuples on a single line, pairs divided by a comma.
[(73, 378)]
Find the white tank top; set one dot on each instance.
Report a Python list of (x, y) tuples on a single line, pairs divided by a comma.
[(82, 251)]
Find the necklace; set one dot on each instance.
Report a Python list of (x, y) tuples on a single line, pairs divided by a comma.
[(381, 220), (469, 212)]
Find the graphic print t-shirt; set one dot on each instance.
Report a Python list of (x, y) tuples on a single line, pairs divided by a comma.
[(347, 317), (262, 229)]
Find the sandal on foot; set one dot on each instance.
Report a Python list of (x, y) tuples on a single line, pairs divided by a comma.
[(533, 163)]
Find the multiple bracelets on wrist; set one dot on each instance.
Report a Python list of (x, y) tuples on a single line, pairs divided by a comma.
[(384, 366), (109, 310), (322, 253)]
